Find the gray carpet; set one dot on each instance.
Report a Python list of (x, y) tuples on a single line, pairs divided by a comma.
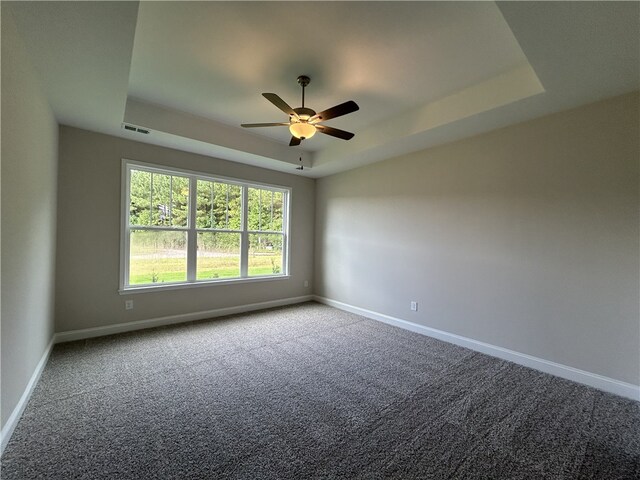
[(310, 392)]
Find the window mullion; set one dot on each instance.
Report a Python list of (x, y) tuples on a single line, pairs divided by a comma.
[(271, 219), (171, 200), (286, 206), (127, 229), (192, 236), (151, 200), (226, 218), (211, 222), (259, 209), (244, 236)]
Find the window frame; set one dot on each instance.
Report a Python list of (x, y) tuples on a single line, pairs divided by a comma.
[(192, 229)]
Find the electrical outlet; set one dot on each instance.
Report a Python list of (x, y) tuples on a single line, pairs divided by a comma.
[(306, 283), (128, 304), (414, 306)]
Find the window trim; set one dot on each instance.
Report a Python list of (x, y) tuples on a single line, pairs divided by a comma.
[(192, 230)]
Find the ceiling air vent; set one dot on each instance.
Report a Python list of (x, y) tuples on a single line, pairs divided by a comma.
[(133, 128)]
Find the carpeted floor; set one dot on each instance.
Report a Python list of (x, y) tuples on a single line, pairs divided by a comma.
[(309, 391)]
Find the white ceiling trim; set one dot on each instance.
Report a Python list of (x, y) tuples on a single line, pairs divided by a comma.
[(229, 143)]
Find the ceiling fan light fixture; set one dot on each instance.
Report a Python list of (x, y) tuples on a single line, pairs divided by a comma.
[(302, 130)]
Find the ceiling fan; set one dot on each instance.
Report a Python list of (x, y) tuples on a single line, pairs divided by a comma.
[(304, 122)]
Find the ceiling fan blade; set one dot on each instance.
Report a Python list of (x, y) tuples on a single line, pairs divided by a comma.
[(254, 125), (335, 132), (337, 111), (294, 141), (281, 104)]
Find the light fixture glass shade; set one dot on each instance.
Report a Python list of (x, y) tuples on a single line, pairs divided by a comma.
[(302, 130)]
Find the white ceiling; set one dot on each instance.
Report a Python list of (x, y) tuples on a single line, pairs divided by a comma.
[(213, 59), (423, 73)]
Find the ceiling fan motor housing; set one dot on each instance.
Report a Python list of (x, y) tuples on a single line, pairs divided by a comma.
[(304, 113)]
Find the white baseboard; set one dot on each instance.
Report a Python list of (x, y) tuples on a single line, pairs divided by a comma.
[(71, 335), (13, 419), (570, 373)]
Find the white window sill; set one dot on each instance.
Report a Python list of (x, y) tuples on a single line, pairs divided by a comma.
[(211, 283)]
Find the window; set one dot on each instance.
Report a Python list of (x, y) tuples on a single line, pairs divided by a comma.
[(184, 228)]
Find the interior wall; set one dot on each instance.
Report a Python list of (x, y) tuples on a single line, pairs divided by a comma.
[(525, 238), (89, 235), (29, 171)]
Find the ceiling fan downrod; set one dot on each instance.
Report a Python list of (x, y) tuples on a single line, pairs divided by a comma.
[(303, 81)]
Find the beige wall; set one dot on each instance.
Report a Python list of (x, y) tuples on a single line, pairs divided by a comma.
[(89, 235), (29, 162), (524, 238)]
